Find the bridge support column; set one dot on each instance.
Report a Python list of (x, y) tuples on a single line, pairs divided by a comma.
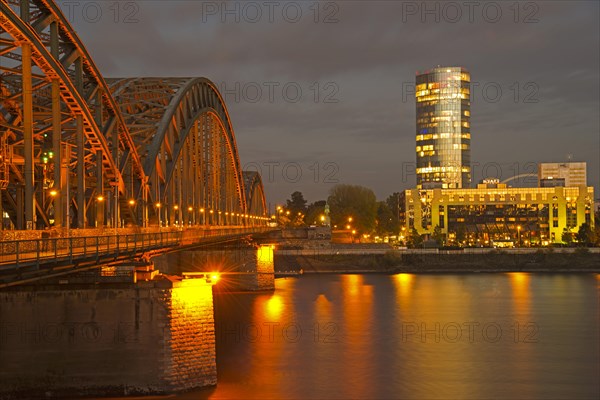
[(57, 150), (100, 198), (56, 134), (160, 333), (245, 268), (80, 139), (81, 223), (20, 210), (28, 137)]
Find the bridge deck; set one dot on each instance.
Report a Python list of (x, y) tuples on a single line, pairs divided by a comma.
[(25, 260)]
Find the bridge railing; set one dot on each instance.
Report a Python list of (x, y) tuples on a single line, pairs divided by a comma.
[(16, 253), (37, 251)]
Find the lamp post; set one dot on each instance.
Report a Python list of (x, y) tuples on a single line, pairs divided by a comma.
[(67, 161), (116, 216), (53, 193), (158, 206), (519, 235), (131, 203), (100, 199)]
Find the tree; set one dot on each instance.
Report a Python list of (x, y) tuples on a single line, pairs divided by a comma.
[(414, 239), (314, 212), (394, 204), (297, 203), (438, 235), (356, 202), (585, 235), (284, 220), (567, 237), (461, 235), (294, 211), (386, 223)]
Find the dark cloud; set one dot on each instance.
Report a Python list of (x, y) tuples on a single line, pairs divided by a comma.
[(548, 71)]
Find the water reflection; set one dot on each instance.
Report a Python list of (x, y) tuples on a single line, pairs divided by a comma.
[(404, 283), (356, 339), (521, 292), (346, 337), (274, 308)]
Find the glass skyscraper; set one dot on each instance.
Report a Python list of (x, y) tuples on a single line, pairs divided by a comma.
[(443, 128)]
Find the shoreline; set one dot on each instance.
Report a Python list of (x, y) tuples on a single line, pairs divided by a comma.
[(391, 263), (434, 271)]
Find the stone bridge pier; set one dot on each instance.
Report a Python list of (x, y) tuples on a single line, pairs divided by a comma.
[(240, 267), (150, 337), (81, 336)]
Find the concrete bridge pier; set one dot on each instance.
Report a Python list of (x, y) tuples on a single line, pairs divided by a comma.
[(257, 273), (151, 337), (240, 267)]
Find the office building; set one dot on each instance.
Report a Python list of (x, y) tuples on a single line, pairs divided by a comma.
[(443, 128), (493, 214), (570, 173)]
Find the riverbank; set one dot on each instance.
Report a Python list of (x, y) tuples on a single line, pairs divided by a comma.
[(393, 262)]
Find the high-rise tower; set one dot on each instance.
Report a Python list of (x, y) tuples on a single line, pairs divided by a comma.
[(443, 128)]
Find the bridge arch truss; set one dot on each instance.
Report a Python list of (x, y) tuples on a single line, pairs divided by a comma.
[(80, 151)]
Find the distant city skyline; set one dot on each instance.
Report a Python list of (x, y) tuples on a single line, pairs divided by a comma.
[(355, 119)]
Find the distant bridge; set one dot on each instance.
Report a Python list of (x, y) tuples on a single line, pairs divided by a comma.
[(520, 176), (81, 151)]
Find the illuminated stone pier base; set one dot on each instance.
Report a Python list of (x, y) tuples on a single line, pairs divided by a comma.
[(246, 268), (258, 273), (149, 338)]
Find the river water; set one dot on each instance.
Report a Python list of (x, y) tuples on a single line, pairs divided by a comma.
[(433, 336)]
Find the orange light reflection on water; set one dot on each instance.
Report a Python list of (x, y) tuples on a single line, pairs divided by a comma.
[(404, 287), (404, 283), (274, 308), (357, 320), (272, 334), (521, 292)]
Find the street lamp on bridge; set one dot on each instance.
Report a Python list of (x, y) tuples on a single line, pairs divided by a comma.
[(158, 206)]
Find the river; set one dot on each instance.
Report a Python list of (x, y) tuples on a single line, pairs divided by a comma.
[(430, 336)]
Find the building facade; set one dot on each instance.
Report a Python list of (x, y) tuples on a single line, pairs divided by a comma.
[(572, 173), (443, 148), (494, 215)]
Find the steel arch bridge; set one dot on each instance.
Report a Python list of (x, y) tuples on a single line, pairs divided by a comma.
[(82, 151)]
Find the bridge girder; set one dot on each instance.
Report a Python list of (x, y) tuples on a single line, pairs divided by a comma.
[(73, 144), (55, 101), (182, 129), (255, 193)]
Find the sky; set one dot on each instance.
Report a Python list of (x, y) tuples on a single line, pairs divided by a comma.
[(321, 93)]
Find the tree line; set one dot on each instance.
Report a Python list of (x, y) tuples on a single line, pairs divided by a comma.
[(350, 205)]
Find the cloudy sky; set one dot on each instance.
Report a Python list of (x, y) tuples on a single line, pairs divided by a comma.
[(321, 92)]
